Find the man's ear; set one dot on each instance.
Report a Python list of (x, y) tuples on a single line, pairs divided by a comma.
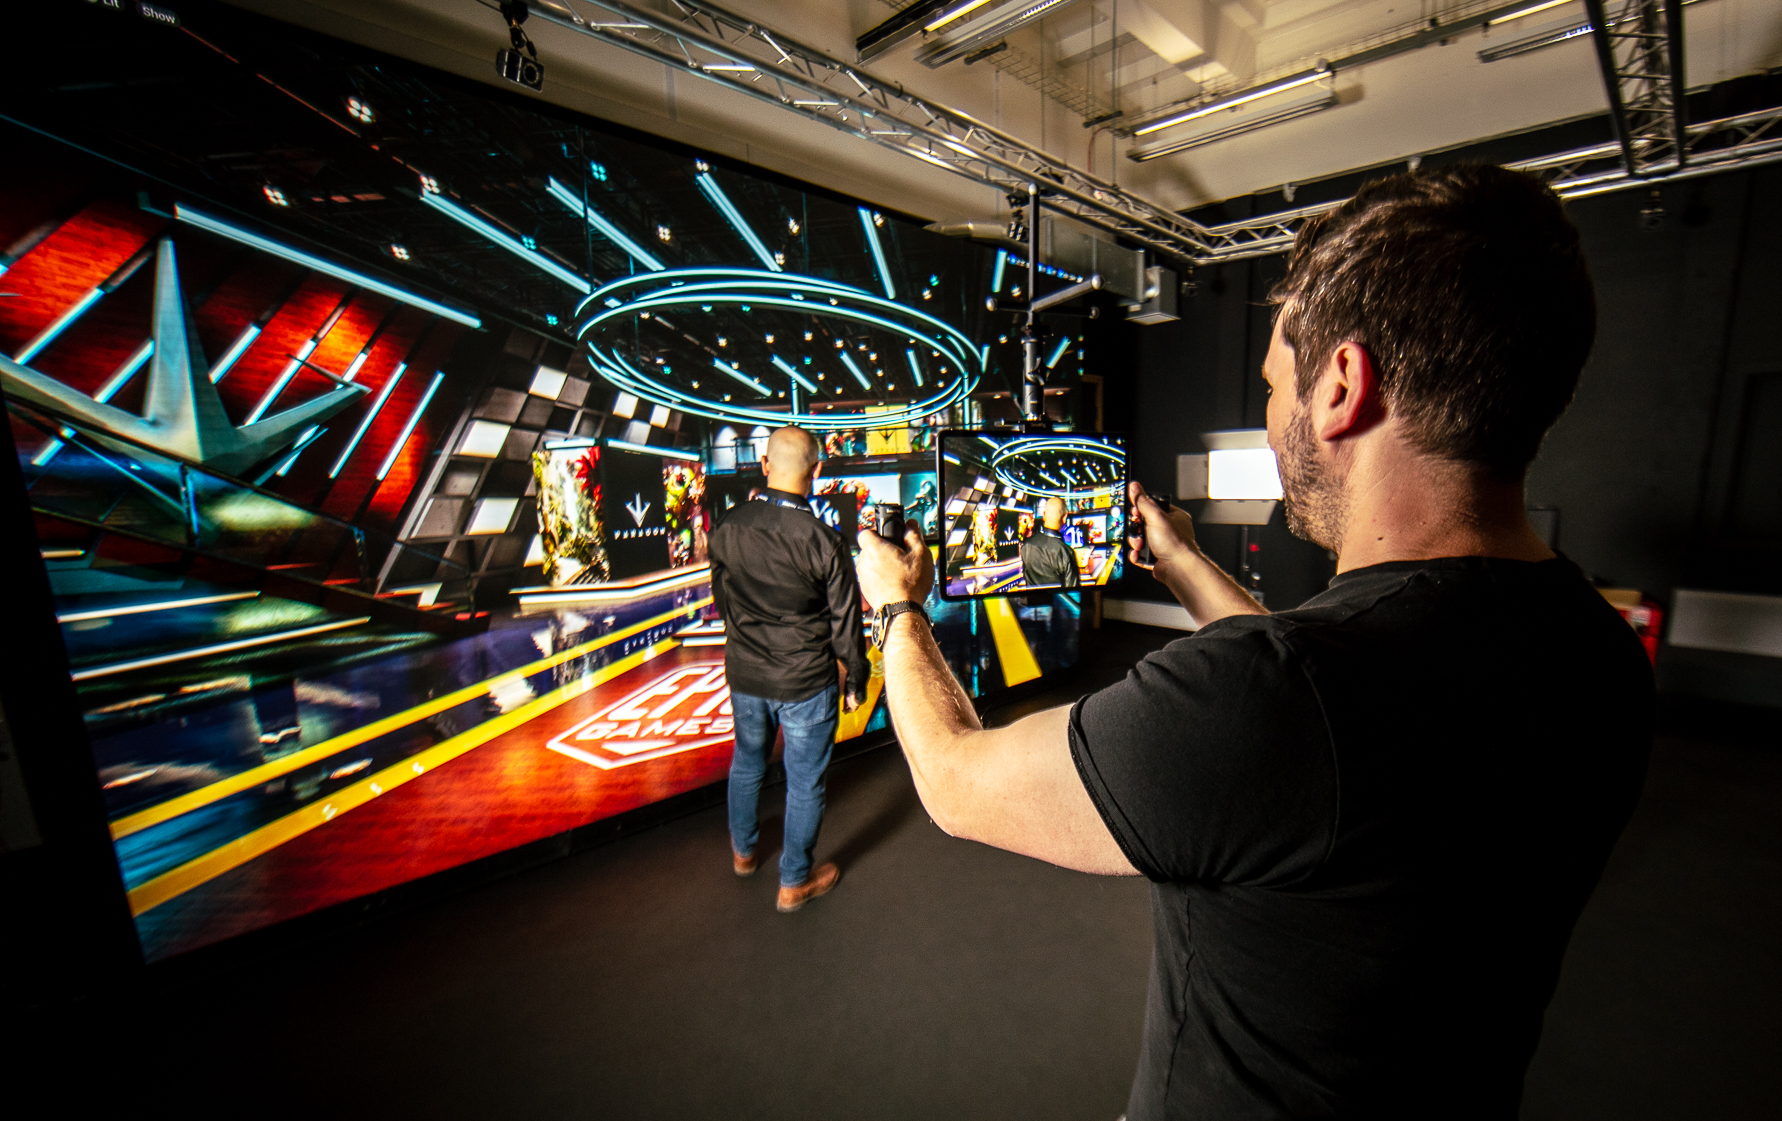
[(764, 466), (816, 469), (1346, 400)]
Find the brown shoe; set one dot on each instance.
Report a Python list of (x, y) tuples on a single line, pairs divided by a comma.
[(744, 865), (822, 880)]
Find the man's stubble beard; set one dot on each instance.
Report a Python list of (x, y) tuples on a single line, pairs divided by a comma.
[(1313, 498)]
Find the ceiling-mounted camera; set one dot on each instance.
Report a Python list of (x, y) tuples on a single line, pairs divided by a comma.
[(519, 64)]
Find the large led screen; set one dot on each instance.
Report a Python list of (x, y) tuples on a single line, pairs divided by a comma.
[(373, 425), (1030, 512)]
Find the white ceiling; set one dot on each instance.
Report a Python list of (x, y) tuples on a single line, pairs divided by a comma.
[(1138, 53)]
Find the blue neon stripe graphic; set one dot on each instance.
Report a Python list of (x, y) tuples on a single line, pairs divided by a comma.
[(878, 253), (672, 453), (722, 201), (137, 360), (377, 405), (742, 377), (308, 260), (49, 334), (500, 237), (409, 428), (284, 379), (613, 233), (1063, 345), (915, 368), (1002, 258), (794, 374), (848, 361), (233, 355), (310, 436)]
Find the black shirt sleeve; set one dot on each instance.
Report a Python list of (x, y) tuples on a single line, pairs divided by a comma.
[(847, 636), (1212, 761)]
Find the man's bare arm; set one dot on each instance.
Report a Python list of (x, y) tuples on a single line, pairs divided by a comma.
[(1197, 583), (1016, 788)]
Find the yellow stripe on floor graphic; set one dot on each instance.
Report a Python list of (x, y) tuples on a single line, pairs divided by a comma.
[(199, 870), (1011, 645), (276, 768)]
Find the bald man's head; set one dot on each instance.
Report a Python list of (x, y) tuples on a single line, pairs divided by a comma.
[(791, 460), (1052, 513)]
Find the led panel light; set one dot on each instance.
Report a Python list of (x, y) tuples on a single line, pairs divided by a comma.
[(1002, 260), (611, 232), (507, 241), (1243, 473), (409, 428), (1244, 97), (492, 515), (484, 439), (547, 382), (309, 260), (715, 194), (915, 366)]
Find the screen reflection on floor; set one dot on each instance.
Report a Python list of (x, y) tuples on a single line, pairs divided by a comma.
[(261, 798)]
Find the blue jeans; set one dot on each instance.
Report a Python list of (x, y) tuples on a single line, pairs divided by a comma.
[(810, 737)]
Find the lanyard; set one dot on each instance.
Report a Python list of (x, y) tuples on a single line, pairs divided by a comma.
[(786, 502)]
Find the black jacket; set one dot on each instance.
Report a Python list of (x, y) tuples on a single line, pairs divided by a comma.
[(1047, 562), (784, 583)]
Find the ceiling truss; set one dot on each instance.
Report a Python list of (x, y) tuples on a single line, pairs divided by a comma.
[(1653, 143)]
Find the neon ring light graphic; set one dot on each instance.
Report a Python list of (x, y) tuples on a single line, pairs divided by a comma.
[(1050, 466), (626, 301)]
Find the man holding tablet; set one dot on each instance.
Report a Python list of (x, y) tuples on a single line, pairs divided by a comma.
[(1371, 821)]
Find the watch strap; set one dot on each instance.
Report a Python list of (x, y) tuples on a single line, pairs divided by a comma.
[(881, 620)]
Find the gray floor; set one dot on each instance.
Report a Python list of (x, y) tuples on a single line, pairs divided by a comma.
[(941, 979)]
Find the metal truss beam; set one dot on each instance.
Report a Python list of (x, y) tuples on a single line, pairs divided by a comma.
[(724, 48), (1746, 140), (1640, 51)]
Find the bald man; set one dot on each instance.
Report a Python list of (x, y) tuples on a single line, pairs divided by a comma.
[(784, 584), (1046, 561)]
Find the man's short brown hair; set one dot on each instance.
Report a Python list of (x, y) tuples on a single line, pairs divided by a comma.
[(1467, 287)]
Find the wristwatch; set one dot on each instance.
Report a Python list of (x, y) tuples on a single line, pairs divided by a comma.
[(881, 619)]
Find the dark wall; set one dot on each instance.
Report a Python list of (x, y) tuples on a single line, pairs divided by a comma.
[(1202, 374), (1666, 470)]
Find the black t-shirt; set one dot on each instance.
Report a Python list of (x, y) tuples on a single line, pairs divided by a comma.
[(1371, 823)]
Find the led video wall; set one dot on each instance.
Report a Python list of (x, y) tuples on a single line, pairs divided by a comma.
[(373, 425)]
